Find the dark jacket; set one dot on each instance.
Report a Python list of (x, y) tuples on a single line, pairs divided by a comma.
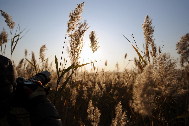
[(14, 110)]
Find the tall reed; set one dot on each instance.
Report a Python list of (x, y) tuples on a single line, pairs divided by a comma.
[(183, 49)]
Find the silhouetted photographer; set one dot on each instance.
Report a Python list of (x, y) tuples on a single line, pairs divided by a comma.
[(24, 102)]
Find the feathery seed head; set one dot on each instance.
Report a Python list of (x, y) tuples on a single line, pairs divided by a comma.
[(120, 119), (183, 49), (75, 16), (94, 43), (8, 19), (93, 114), (148, 31), (76, 41), (42, 52), (3, 37)]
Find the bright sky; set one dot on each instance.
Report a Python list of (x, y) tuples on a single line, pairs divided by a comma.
[(46, 22)]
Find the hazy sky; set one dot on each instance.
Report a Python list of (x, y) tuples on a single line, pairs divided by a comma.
[(46, 23)]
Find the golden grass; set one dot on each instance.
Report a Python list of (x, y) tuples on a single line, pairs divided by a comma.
[(154, 93)]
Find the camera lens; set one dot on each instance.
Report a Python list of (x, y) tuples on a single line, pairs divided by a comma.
[(43, 77)]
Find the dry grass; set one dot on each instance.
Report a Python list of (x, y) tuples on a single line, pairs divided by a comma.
[(155, 93), (15, 37)]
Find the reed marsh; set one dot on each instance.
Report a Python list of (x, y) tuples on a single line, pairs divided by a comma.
[(156, 92)]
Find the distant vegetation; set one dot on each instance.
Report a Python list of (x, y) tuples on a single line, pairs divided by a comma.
[(156, 92)]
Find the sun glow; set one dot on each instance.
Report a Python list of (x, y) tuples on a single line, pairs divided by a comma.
[(87, 56)]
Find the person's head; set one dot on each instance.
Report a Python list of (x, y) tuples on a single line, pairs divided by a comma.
[(7, 80)]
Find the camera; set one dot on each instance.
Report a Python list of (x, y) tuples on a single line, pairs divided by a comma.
[(41, 78), (37, 84)]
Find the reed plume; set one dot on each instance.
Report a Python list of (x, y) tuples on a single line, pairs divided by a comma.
[(8, 19), (75, 17), (93, 114), (42, 52), (148, 31), (34, 62), (3, 39), (94, 43), (120, 118), (76, 42), (15, 37), (182, 48), (75, 31), (157, 87)]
